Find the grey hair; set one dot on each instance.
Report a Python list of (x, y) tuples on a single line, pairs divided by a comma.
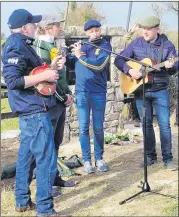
[(16, 30)]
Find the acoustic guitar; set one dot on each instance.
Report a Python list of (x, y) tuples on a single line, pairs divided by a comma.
[(129, 85)]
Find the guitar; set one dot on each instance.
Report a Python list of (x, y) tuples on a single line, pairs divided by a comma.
[(45, 88), (128, 84)]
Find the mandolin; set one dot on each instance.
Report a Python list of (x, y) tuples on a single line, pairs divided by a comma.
[(45, 88), (129, 85)]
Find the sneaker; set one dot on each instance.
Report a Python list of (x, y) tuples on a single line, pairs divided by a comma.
[(88, 168), (31, 206), (170, 165), (101, 166), (149, 162), (56, 191)]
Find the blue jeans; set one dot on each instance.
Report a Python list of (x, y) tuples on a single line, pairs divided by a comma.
[(160, 101), (85, 102), (36, 141)]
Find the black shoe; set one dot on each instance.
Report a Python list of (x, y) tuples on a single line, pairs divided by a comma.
[(62, 183), (136, 123), (149, 162), (31, 206)]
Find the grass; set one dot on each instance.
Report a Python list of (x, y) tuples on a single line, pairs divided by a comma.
[(8, 124), (99, 194), (171, 209)]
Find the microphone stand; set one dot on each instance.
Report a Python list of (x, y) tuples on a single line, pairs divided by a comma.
[(145, 187), (127, 58)]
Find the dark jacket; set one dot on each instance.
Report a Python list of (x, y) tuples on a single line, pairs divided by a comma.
[(92, 67), (19, 59), (140, 49)]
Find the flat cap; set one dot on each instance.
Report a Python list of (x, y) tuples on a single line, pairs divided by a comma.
[(49, 19), (91, 23), (150, 22)]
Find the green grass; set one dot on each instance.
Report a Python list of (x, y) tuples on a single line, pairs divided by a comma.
[(173, 36), (171, 210), (8, 124)]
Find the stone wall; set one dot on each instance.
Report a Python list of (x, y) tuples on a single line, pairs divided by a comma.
[(114, 104)]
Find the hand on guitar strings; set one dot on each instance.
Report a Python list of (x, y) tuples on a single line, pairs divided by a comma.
[(169, 63), (135, 74), (51, 75)]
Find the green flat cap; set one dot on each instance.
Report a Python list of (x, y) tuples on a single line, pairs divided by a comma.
[(150, 22)]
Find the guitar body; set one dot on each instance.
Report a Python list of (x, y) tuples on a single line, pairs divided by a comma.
[(44, 88), (128, 84)]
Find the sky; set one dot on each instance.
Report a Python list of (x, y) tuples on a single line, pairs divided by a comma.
[(115, 12)]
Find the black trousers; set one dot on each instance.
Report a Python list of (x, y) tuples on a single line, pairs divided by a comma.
[(58, 114)]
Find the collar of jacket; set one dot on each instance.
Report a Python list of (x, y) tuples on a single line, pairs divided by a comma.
[(28, 39), (160, 39), (47, 38)]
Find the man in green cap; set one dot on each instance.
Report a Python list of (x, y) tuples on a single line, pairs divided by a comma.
[(158, 48)]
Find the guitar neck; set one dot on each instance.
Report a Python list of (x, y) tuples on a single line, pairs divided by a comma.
[(53, 67), (160, 65)]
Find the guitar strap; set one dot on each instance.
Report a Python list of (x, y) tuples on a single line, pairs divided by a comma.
[(160, 53)]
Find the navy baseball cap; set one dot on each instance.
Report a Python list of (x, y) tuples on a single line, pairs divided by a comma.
[(91, 23), (21, 17)]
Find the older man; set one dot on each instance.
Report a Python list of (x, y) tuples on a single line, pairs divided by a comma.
[(158, 48), (36, 137)]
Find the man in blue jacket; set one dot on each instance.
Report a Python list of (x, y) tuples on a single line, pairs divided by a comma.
[(158, 48), (91, 68), (36, 137)]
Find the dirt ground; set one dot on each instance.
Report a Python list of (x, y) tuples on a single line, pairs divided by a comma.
[(99, 194)]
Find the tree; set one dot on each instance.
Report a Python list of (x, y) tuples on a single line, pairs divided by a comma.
[(73, 6), (79, 13), (172, 6), (159, 12)]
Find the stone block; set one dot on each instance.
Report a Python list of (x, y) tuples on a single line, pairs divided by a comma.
[(115, 31), (110, 97), (74, 125), (112, 116)]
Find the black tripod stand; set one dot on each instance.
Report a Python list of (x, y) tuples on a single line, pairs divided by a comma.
[(145, 187)]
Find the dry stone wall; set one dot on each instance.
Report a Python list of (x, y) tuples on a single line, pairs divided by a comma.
[(114, 103)]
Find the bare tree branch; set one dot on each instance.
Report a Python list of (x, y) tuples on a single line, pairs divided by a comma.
[(159, 12), (172, 6)]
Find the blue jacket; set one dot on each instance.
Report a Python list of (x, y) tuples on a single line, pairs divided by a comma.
[(92, 67), (140, 49), (19, 59)]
